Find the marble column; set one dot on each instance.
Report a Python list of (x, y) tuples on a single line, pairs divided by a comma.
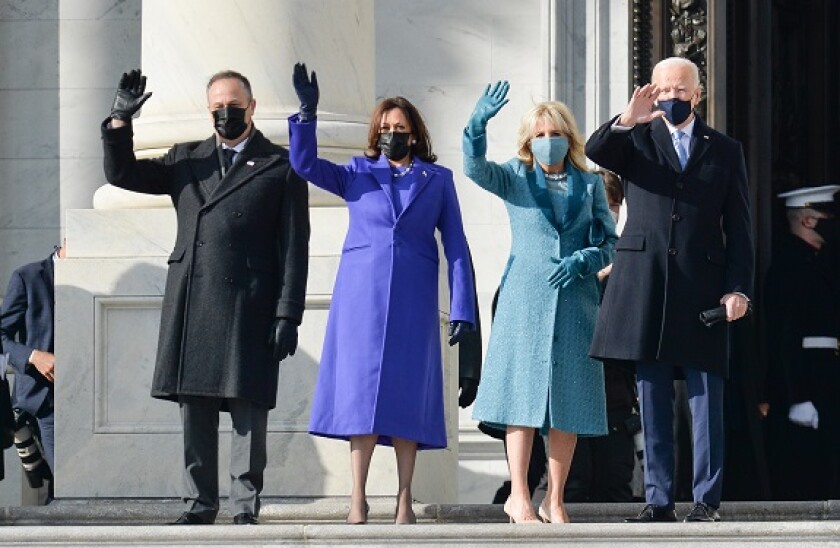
[(99, 40), (184, 43), (28, 163), (589, 66), (29, 108)]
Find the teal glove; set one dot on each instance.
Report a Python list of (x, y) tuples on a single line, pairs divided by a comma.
[(488, 105), (568, 270)]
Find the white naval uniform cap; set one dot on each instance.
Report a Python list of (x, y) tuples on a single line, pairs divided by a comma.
[(810, 196)]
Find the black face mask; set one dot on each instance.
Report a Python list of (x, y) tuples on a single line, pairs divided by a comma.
[(230, 122), (829, 231), (676, 111), (394, 145)]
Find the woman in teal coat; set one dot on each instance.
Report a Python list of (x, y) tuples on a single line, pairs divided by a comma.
[(538, 374)]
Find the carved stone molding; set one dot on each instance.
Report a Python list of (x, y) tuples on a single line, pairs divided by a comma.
[(642, 37), (664, 28), (689, 36)]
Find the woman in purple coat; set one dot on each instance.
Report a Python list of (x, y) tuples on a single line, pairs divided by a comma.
[(380, 379)]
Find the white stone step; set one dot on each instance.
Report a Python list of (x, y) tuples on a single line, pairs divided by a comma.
[(611, 535), (299, 510), (318, 522)]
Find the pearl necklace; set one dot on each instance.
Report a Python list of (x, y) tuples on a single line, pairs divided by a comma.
[(555, 176), (556, 181), (397, 175)]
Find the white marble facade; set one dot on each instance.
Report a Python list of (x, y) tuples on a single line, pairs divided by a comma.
[(438, 53)]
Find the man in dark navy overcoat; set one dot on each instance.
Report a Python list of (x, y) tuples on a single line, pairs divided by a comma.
[(686, 248), (26, 329)]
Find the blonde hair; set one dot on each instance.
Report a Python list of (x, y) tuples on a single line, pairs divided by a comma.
[(561, 116)]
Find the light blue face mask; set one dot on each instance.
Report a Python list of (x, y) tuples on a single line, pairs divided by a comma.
[(550, 150)]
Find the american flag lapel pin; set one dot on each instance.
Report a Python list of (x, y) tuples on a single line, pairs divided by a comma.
[(250, 163)]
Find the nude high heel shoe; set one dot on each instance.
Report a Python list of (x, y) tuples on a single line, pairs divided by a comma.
[(543, 514), (520, 519), (364, 518)]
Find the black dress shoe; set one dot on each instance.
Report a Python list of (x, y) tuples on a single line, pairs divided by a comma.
[(244, 519), (702, 512), (651, 513), (188, 518)]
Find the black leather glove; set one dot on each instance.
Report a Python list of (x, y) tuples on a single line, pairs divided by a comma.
[(130, 95), (457, 329), (307, 91), (283, 338), (469, 388)]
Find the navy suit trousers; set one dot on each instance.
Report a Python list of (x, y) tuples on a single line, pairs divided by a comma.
[(656, 398)]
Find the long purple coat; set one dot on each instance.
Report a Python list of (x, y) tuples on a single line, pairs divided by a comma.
[(381, 363)]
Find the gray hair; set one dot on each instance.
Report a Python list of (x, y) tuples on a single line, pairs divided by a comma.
[(674, 62)]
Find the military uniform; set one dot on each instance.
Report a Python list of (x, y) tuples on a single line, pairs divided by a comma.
[(802, 307)]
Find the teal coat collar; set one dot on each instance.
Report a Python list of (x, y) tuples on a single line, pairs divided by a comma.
[(575, 194)]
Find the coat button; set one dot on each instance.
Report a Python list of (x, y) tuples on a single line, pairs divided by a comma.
[(199, 243), (672, 251), (679, 185), (676, 217), (237, 214)]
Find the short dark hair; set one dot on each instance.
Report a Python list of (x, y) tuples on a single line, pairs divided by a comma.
[(422, 148), (231, 74)]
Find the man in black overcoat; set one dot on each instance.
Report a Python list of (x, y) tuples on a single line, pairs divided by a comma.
[(802, 311), (236, 284), (686, 247)]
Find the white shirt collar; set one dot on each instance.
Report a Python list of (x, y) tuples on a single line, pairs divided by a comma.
[(687, 130), (239, 146)]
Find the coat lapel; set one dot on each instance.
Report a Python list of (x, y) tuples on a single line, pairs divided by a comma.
[(48, 274), (204, 164), (255, 158), (382, 173), (574, 195), (536, 182), (423, 173), (662, 137), (700, 142)]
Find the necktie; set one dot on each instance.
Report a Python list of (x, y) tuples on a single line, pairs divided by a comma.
[(228, 154), (682, 155)]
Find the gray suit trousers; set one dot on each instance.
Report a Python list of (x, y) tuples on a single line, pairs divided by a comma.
[(200, 418)]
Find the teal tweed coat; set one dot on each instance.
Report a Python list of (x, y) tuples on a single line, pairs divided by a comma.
[(538, 372)]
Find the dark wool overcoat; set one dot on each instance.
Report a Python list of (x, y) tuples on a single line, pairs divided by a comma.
[(687, 242), (240, 260)]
